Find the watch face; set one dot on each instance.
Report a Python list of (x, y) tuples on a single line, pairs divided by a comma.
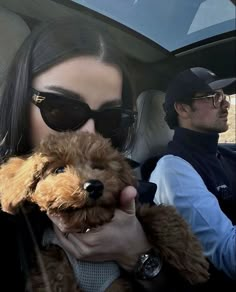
[(151, 267), (148, 265)]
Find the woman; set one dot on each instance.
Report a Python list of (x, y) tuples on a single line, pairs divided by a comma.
[(74, 66)]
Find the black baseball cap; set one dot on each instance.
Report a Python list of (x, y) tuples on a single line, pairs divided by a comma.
[(194, 81)]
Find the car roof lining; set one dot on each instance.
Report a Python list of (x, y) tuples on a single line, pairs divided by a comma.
[(136, 45)]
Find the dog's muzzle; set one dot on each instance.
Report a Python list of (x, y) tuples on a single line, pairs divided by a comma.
[(94, 188)]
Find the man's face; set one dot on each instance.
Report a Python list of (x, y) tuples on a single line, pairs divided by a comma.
[(208, 114)]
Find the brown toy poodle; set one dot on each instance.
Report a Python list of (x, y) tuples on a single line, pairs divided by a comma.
[(80, 176)]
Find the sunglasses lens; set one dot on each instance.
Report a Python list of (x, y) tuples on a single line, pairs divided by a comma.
[(114, 124), (63, 116), (218, 97), (228, 98)]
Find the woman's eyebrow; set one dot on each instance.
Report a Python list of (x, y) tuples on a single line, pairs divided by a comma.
[(66, 92), (74, 95)]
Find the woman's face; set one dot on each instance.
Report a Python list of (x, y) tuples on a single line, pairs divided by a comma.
[(84, 78)]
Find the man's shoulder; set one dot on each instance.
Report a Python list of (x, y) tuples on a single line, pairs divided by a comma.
[(165, 161), (170, 160)]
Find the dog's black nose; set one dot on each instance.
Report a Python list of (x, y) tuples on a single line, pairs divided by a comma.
[(94, 188)]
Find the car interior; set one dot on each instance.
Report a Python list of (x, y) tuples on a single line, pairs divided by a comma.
[(151, 65)]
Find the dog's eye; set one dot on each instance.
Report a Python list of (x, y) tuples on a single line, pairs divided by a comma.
[(60, 169)]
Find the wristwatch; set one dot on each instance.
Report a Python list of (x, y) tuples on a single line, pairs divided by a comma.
[(148, 266)]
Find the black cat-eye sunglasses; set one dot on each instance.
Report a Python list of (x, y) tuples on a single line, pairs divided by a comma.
[(62, 113)]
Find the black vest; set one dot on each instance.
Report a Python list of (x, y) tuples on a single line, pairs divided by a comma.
[(216, 165)]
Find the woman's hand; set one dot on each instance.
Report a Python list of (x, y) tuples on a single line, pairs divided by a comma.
[(122, 239)]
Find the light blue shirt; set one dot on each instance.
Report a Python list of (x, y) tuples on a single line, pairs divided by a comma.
[(180, 185)]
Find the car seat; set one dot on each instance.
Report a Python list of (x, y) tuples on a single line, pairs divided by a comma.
[(13, 31), (153, 133)]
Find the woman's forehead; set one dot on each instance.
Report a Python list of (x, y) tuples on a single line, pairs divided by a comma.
[(86, 78)]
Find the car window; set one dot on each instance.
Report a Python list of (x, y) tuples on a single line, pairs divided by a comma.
[(170, 23), (230, 136)]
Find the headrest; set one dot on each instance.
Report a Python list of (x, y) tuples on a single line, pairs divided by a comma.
[(13, 30), (153, 134)]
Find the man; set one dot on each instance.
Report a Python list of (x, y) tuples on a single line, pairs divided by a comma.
[(196, 175)]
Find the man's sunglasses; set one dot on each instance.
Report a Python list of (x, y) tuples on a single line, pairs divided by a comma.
[(62, 113), (216, 98)]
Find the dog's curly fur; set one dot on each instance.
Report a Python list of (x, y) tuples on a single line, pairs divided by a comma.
[(56, 178)]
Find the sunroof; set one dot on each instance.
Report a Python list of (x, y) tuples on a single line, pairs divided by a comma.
[(170, 23)]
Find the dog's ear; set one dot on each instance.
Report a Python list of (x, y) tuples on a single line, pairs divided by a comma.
[(18, 178), (133, 164)]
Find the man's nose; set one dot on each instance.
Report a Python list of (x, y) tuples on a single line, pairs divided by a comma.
[(89, 126), (225, 103)]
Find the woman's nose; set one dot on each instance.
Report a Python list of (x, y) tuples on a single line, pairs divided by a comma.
[(89, 126)]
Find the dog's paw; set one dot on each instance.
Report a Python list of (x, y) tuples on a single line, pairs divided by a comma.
[(171, 236), (194, 267)]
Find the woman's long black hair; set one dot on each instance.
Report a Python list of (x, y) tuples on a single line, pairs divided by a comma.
[(50, 44)]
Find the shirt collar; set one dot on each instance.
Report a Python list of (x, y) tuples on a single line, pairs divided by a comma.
[(206, 142)]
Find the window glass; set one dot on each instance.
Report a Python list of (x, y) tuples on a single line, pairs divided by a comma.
[(170, 23), (230, 135)]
